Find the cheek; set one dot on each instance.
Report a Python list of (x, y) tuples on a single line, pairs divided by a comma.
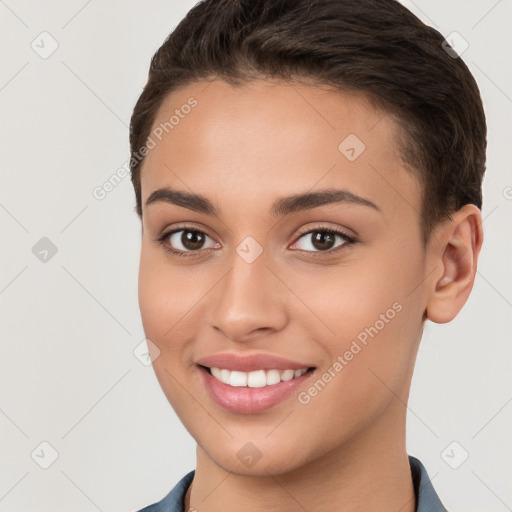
[(162, 297), (162, 289), (349, 298), (151, 296), (366, 315), (163, 305), (369, 366), (171, 303)]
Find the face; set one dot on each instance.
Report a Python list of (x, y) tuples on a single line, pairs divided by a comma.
[(333, 282)]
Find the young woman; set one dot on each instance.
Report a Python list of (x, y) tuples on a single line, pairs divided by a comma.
[(308, 178)]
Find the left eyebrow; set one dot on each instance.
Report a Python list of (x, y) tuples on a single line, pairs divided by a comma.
[(298, 202), (281, 207)]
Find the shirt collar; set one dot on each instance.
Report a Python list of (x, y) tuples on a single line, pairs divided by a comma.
[(427, 499)]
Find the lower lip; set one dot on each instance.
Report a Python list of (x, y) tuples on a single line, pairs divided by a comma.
[(245, 400)]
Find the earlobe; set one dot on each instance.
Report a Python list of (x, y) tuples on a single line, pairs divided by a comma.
[(460, 241)]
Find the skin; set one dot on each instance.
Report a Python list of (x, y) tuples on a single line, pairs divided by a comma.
[(242, 148)]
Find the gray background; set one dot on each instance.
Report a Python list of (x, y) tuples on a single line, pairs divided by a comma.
[(68, 374)]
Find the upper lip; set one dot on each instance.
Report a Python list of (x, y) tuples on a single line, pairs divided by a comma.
[(248, 363)]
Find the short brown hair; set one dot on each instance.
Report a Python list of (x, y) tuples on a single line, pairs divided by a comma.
[(377, 47)]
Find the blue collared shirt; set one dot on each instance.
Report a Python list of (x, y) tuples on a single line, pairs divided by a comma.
[(426, 497)]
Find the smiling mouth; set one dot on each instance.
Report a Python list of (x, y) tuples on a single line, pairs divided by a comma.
[(257, 378)]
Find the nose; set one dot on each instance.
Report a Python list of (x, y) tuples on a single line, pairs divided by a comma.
[(249, 302)]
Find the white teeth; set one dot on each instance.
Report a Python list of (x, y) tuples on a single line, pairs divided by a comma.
[(288, 375), (255, 379), (238, 379), (224, 375), (273, 377), (217, 373)]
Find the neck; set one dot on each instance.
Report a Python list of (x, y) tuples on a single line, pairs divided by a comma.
[(371, 472)]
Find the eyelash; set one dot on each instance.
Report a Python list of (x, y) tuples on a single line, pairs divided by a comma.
[(349, 240)]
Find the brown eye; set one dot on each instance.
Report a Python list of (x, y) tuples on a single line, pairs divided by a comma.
[(192, 240), (323, 240), (188, 240)]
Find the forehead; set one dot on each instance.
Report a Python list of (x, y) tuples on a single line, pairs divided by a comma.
[(274, 138)]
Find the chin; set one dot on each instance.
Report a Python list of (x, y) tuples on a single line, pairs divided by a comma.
[(247, 459)]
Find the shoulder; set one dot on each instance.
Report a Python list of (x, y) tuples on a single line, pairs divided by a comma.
[(174, 501)]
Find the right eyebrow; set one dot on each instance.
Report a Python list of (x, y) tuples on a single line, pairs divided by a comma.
[(194, 202)]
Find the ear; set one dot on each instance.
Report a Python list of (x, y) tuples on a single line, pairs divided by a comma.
[(455, 252)]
